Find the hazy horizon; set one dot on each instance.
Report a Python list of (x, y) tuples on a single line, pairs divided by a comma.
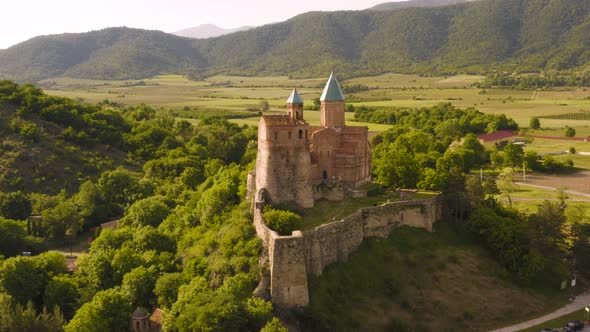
[(25, 21)]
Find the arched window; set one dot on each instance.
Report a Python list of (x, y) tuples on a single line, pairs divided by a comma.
[(300, 134), (325, 175)]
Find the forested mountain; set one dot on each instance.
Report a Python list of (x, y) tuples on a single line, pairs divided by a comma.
[(207, 31), (522, 35), (416, 3)]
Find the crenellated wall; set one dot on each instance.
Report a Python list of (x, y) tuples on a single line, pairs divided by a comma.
[(292, 258)]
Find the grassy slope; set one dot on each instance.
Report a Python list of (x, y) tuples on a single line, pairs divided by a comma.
[(430, 281)]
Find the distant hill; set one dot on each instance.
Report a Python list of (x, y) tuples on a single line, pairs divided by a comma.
[(416, 3), (473, 37), (207, 31)]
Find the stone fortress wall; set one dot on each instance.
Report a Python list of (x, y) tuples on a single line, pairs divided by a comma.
[(292, 258)]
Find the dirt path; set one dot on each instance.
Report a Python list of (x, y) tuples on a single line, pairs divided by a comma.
[(580, 301)]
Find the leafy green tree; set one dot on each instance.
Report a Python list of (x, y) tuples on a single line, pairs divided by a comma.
[(23, 279), (62, 292), (91, 204), (505, 184), (149, 211), (283, 222), (12, 237), (534, 123), (548, 230), (15, 205), (513, 155), (62, 220), (122, 187), (570, 132), (109, 310), (166, 288), (394, 166), (274, 325), (139, 284), (259, 312), (16, 317)]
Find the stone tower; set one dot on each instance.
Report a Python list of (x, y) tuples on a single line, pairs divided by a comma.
[(283, 163), (332, 104)]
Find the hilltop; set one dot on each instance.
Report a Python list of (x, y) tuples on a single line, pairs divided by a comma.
[(473, 37), (416, 3), (207, 31)]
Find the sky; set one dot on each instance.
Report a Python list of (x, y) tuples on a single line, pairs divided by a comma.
[(21, 20)]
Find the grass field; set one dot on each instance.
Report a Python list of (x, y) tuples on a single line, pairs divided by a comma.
[(527, 199), (237, 93), (420, 281)]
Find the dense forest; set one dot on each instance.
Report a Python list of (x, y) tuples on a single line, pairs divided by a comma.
[(472, 37), (185, 241)]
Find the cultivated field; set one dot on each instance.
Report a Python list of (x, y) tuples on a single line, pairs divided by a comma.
[(239, 97)]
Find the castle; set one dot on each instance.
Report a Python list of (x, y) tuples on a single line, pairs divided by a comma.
[(295, 159)]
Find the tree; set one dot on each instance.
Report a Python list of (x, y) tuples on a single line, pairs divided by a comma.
[(109, 310), (62, 291), (166, 288), (474, 191), (149, 211), (16, 317), (91, 204), (570, 132), (15, 205), (62, 220), (23, 279), (139, 284), (548, 230), (505, 183), (395, 166), (274, 326), (263, 106), (513, 155), (534, 123), (12, 237), (283, 222)]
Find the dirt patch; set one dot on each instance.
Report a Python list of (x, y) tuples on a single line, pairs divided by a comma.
[(579, 181)]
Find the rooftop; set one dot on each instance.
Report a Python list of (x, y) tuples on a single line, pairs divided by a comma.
[(499, 135), (295, 98), (281, 120), (332, 91)]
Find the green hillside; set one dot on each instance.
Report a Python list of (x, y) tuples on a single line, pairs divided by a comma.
[(473, 37), (420, 281)]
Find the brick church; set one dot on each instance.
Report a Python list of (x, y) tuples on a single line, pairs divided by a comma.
[(299, 164)]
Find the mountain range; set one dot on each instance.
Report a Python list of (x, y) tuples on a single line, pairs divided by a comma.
[(470, 37), (207, 31)]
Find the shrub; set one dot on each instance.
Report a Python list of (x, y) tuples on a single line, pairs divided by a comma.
[(281, 221), (570, 132)]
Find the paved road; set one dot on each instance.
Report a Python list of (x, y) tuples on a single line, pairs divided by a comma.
[(579, 302)]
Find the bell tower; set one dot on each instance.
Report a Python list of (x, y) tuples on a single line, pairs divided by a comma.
[(332, 104), (295, 106)]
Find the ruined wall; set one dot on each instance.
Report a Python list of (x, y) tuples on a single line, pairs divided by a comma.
[(288, 276), (291, 258)]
